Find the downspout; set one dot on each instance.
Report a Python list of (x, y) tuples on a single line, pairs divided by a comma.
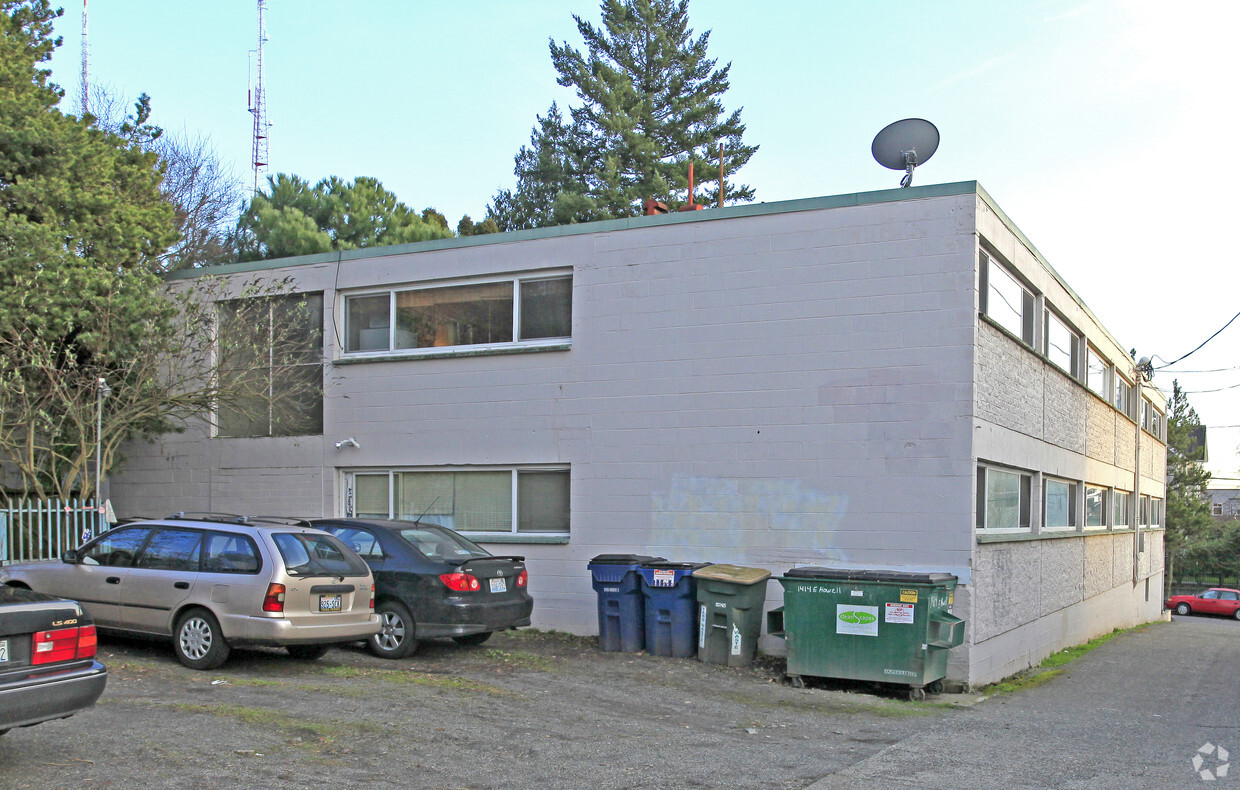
[(1136, 487)]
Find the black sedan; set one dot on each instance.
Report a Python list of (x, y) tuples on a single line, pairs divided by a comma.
[(47, 659), (432, 582)]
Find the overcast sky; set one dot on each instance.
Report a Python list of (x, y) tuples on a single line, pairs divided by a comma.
[(1102, 128)]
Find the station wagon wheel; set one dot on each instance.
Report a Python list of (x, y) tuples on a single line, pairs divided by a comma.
[(397, 637), (198, 641), (1182, 608), (307, 652), (472, 640)]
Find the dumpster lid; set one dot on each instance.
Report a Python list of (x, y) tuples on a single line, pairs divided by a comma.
[(847, 574), (623, 559), (663, 564), (736, 574)]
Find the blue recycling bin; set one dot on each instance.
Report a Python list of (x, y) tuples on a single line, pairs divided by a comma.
[(671, 607), (621, 607)]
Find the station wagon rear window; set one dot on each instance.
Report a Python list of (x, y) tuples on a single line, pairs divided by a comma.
[(306, 554)]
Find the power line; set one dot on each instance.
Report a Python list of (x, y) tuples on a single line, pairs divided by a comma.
[(1204, 392), (1198, 348)]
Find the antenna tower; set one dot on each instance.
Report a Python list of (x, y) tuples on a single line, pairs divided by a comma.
[(258, 103), (85, 64)]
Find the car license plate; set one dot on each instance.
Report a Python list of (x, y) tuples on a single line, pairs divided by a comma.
[(329, 603), (499, 585), (4, 651)]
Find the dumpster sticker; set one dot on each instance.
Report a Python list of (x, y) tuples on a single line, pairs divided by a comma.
[(664, 578), (702, 629), (736, 640), (858, 620), (908, 596), (899, 613), (904, 673), (857, 593)]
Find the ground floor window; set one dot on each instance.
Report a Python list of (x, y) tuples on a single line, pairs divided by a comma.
[(1003, 498), (1059, 503), (520, 500), (1095, 507)]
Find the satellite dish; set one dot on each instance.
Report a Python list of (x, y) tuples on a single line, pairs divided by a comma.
[(904, 145)]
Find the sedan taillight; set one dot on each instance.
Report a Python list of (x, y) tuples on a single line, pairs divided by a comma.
[(461, 582), (63, 644), (522, 578), (273, 601)]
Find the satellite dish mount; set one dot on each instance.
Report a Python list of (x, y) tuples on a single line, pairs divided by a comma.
[(904, 145)]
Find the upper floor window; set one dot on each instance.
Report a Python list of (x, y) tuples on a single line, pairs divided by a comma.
[(1151, 418), (270, 356), (1121, 509), (1095, 506), (1216, 509), (1096, 370), (1005, 301), (1062, 345), (491, 313), (1122, 399)]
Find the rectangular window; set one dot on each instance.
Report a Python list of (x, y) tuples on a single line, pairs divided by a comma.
[(1121, 509), (1155, 511), (1062, 345), (1003, 499), (480, 314), (1123, 395), (1096, 370), (1095, 507), (1059, 504), (270, 358), (477, 502), (1144, 511), (1006, 302), (1216, 509)]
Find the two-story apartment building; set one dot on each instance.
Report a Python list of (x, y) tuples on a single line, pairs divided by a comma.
[(891, 380)]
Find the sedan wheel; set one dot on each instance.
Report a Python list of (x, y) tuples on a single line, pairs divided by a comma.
[(1236, 614), (397, 637), (198, 642), (1182, 608)]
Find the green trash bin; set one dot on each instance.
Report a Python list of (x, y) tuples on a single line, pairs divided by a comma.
[(730, 600), (880, 626)]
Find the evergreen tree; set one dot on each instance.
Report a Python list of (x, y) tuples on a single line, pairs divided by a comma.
[(294, 218), (1191, 541), (650, 103)]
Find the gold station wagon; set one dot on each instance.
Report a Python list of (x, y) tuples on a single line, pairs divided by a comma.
[(214, 582)]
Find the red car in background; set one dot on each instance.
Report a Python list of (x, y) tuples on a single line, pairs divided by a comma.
[(1216, 600)]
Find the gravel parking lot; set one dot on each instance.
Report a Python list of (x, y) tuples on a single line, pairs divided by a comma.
[(526, 710)]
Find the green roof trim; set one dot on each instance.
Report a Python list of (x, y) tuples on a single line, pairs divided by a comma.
[(604, 226)]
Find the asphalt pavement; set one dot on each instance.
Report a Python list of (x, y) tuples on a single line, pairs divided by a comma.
[(1155, 708)]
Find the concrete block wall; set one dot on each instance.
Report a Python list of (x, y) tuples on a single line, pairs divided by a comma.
[(773, 390)]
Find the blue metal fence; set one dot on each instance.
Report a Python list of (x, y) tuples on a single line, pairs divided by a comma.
[(32, 529)]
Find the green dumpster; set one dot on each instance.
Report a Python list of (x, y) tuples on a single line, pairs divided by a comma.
[(730, 600), (881, 626)]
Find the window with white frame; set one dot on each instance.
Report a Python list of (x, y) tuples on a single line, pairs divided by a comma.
[(1156, 505), (1062, 345), (1097, 373), (1095, 507), (1216, 509), (1122, 399), (512, 500), (1002, 498), (1005, 301), (1058, 503), (503, 312), (1121, 509), (1144, 519)]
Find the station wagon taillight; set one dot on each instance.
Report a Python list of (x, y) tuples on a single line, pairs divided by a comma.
[(372, 596), (273, 601), (522, 578), (461, 582), (63, 644)]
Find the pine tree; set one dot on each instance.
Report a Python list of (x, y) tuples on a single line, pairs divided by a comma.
[(1191, 539), (650, 104)]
